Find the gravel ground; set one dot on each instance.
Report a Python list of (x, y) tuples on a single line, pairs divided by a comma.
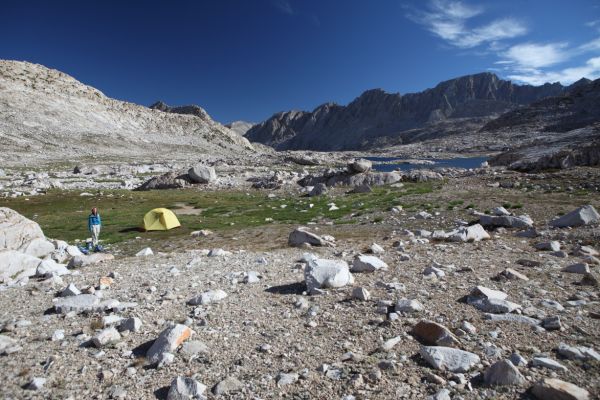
[(261, 330)]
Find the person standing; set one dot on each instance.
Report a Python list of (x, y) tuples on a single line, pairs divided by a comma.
[(94, 225)]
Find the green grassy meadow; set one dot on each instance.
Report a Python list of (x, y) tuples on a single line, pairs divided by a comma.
[(63, 214)]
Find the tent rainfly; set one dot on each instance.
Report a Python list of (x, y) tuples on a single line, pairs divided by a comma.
[(160, 219)]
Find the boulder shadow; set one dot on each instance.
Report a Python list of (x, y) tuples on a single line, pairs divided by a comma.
[(162, 392), (142, 349), (288, 289), (132, 229)]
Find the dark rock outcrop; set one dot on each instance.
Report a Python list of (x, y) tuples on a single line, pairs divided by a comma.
[(191, 109)]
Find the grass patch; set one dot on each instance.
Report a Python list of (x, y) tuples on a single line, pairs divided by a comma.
[(63, 214)]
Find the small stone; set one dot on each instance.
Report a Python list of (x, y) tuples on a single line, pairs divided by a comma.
[(227, 385), (168, 341), (251, 277), (549, 246), (58, 335), (390, 343), (36, 384), (547, 363), (105, 282), (448, 358), (130, 324), (144, 252), (517, 360), (116, 392), (361, 293), (286, 379), (70, 290), (408, 306), (503, 372), (510, 273), (432, 333), (552, 323), (443, 394), (468, 327), (184, 388), (578, 268), (111, 320), (211, 296), (106, 337)]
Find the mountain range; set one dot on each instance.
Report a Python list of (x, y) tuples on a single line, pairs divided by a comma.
[(377, 118)]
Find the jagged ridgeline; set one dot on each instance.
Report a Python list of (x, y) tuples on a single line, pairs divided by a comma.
[(377, 118), (51, 116)]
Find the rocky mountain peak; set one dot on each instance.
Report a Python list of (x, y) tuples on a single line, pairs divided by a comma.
[(377, 116)]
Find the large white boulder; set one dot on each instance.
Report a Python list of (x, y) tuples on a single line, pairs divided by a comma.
[(301, 235), (202, 174), (320, 273), (22, 234), (15, 265)]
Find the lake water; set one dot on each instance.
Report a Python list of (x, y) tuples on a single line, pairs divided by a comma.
[(467, 162)]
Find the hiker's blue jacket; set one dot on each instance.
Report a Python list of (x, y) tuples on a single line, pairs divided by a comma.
[(94, 220)]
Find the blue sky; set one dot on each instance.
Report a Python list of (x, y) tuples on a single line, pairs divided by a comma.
[(248, 59)]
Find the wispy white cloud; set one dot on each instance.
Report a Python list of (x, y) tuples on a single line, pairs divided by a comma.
[(590, 70), (448, 19), (284, 6), (456, 23), (590, 46), (533, 55)]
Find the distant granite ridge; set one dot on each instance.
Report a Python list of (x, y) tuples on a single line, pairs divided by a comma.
[(191, 109), (377, 116)]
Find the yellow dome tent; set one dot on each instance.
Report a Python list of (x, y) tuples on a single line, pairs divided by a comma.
[(160, 219)]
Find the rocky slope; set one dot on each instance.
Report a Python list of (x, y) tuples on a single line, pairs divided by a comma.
[(379, 117), (563, 131), (51, 117)]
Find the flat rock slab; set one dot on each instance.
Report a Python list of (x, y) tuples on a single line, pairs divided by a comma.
[(83, 303), (521, 319), (363, 263), (168, 341), (301, 235), (506, 221), (495, 306), (486, 293), (211, 296), (582, 216), (83, 260), (549, 363), (449, 359), (555, 389)]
